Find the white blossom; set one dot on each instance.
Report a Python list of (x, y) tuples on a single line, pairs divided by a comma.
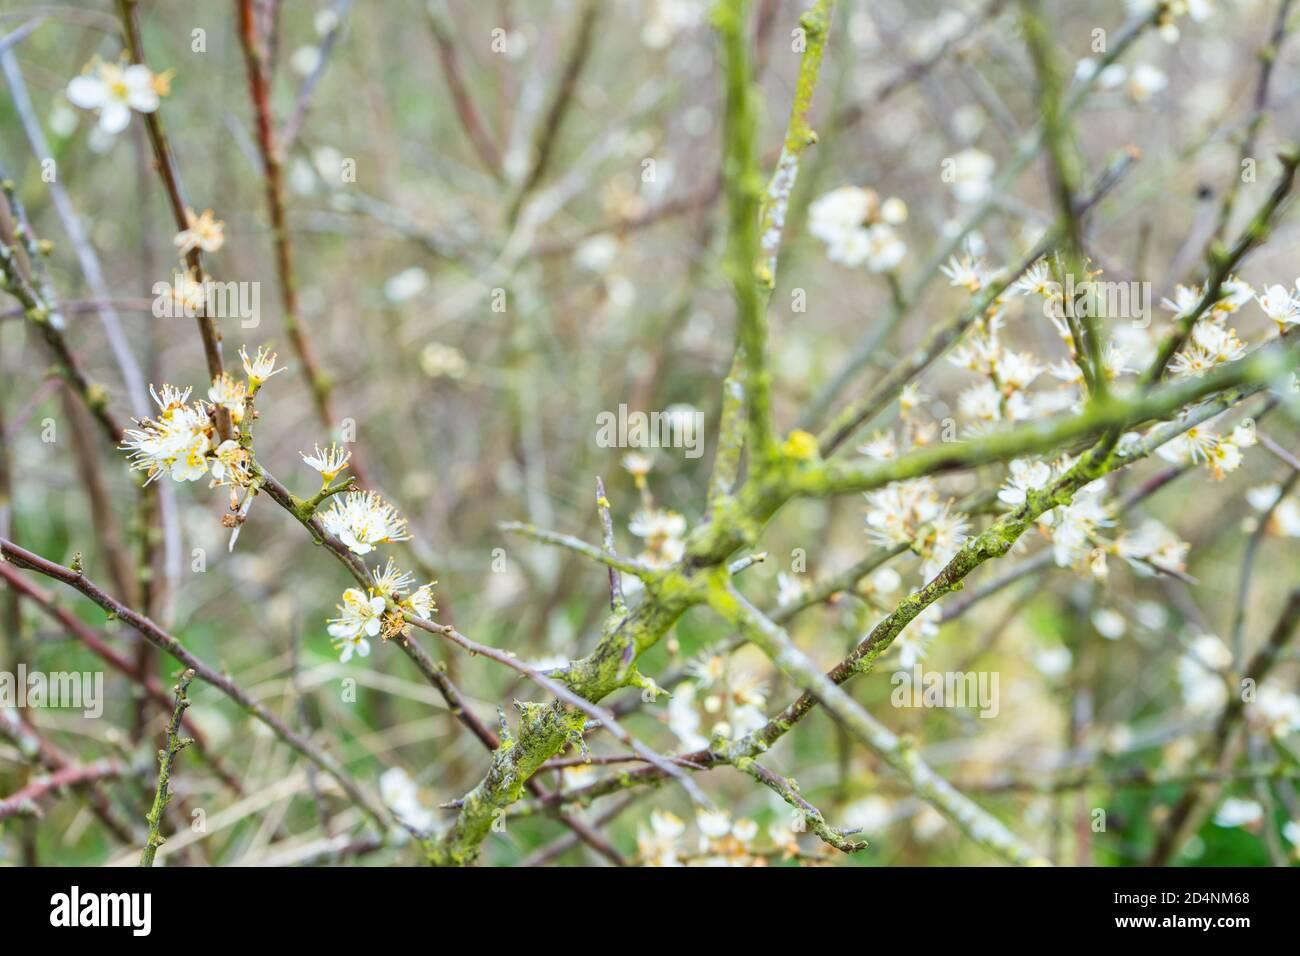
[(401, 795), (683, 719), (114, 91), (406, 285), (1200, 674), (260, 367), (203, 231), (1072, 527), (1152, 544), (972, 175), (1275, 711), (360, 617), (1280, 305), (329, 462), (664, 533), (362, 519), (1236, 812), (1022, 477), (176, 442), (1109, 623), (1145, 81)]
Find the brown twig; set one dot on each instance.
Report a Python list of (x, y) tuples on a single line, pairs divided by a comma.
[(153, 689), (562, 100), (22, 734), (281, 240), (166, 163), (164, 641), (26, 800), (462, 99)]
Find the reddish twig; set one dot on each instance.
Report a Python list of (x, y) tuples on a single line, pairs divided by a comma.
[(97, 646), (282, 242), (166, 164), (25, 801), (164, 641), (461, 98)]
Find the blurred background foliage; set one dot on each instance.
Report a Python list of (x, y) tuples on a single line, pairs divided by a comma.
[(467, 415)]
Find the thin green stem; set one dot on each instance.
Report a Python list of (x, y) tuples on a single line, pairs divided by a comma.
[(175, 743)]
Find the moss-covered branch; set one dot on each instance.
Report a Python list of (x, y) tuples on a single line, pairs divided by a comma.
[(994, 542), (815, 25), (174, 744), (545, 729), (744, 192)]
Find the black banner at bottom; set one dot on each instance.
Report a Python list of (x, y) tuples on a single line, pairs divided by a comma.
[(131, 906)]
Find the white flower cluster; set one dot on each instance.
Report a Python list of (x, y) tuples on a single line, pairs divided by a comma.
[(1203, 673), (363, 519), (365, 614), (391, 582), (181, 441), (913, 512), (970, 175), (401, 795), (664, 533), (1274, 711), (361, 616), (1075, 529), (1072, 528), (1285, 517), (733, 703), (177, 441), (1006, 375), (1200, 445), (1152, 547), (1167, 13), (858, 228), (1141, 83), (1212, 342), (113, 90), (720, 841)]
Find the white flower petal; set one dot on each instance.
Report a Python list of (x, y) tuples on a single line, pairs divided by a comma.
[(143, 100), (115, 117), (88, 92)]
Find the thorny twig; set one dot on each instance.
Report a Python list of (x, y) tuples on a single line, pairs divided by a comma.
[(166, 760)]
